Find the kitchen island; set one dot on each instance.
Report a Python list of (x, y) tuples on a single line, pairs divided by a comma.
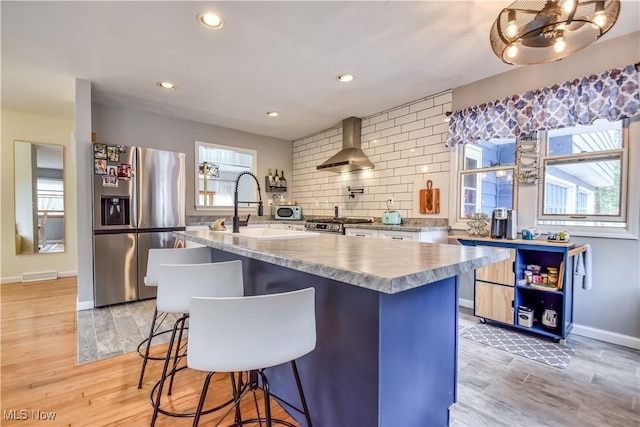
[(387, 322)]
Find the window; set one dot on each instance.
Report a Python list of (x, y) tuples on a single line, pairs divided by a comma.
[(50, 193), (216, 169), (585, 175), (486, 176)]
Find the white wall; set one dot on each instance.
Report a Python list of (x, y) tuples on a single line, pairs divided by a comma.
[(406, 145), (47, 130)]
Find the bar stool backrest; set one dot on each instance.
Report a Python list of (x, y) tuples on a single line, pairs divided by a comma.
[(242, 334), (178, 283), (173, 256)]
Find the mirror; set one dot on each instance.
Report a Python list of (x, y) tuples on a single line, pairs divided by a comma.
[(216, 169), (39, 197)]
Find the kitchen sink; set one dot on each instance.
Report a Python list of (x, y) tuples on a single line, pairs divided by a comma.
[(269, 233)]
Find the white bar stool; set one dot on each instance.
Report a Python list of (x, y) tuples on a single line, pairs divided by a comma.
[(177, 284), (155, 258), (267, 330)]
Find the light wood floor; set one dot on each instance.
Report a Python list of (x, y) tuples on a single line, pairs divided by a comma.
[(39, 371)]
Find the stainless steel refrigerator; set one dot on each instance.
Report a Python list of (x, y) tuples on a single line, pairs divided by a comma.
[(138, 201)]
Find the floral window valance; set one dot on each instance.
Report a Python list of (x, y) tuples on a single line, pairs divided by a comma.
[(611, 95)]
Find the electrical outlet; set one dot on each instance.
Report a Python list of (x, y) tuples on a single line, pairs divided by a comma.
[(390, 201), (270, 202)]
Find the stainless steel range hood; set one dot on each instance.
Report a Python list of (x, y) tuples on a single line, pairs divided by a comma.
[(351, 158)]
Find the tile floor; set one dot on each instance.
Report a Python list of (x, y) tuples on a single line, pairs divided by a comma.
[(117, 329)]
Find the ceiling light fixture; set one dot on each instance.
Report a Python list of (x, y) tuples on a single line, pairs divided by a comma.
[(166, 85), (534, 32), (272, 113), (210, 20), (344, 78)]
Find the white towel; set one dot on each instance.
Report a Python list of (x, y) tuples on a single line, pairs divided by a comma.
[(582, 268)]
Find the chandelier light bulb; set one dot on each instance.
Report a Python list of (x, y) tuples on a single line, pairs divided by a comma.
[(512, 28), (512, 51), (568, 5), (560, 45), (600, 19)]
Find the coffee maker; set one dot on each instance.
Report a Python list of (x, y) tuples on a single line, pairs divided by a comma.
[(503, 224)]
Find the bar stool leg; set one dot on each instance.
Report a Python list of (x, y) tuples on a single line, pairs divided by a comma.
[(203, 395), (305, 408), (176, 357), (146, 352), (267, 398), (156, 405)]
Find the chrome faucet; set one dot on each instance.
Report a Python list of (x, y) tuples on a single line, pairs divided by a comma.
[(236, 218)]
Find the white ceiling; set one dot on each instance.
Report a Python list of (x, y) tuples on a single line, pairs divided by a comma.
[(281, 56)]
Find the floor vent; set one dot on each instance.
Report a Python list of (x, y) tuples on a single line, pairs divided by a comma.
[(45, 275)]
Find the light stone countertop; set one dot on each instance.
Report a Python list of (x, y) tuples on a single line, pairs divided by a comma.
[(383, 265)]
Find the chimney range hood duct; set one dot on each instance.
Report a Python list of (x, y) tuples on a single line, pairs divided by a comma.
[(351, 158)]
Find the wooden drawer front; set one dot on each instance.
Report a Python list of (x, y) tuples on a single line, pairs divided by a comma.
[(400, 235), (494, 302), (499, 272)]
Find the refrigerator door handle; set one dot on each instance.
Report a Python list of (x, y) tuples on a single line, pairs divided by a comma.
[(135, 188)]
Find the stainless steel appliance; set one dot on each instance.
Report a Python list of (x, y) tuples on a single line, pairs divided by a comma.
[(134, 211), (292, 213), (333, 225), (504, 224)]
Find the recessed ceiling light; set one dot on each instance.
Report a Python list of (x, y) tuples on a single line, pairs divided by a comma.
[(344, 77), (166, 85), (272, 113), (210, 20)]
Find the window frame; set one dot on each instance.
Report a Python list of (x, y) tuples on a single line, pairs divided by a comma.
[(197, 191), (527, 196), (586, 220), (459, 218)]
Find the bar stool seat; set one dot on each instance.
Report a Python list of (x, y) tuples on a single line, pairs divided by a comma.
[(177, 284), (154, 259), (251, 334)]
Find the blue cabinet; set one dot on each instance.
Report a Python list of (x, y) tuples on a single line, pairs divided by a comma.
[(501, 289)]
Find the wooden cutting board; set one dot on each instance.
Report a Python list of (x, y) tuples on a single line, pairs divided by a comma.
[(430, 199)]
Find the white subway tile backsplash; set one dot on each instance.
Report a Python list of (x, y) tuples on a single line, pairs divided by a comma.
[(422, 105), (408, 127), (443, 99), (386, 124), (393, 156), (391, 131), (419, 133), (404, 143)]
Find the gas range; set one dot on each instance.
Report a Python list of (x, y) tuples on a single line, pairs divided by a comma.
[(333, 225)]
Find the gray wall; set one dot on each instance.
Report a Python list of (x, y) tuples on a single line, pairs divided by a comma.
[(613, 305), (117, 125)]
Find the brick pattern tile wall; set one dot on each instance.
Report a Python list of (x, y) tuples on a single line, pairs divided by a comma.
[(406, 144)]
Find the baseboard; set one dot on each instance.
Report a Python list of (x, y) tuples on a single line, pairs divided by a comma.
[(467, 303), (15, 279), (67, 273), (606, 336), (39, 276), (84, 305)]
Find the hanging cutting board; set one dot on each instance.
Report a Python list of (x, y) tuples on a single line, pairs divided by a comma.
[(430, 199)]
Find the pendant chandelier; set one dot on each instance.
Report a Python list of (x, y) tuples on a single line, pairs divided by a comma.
[(534, 32)]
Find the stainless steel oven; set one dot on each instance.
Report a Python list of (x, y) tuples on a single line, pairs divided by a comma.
[(333, 225)]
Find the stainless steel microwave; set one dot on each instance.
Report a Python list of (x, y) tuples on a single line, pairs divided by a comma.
[(293, 213)]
